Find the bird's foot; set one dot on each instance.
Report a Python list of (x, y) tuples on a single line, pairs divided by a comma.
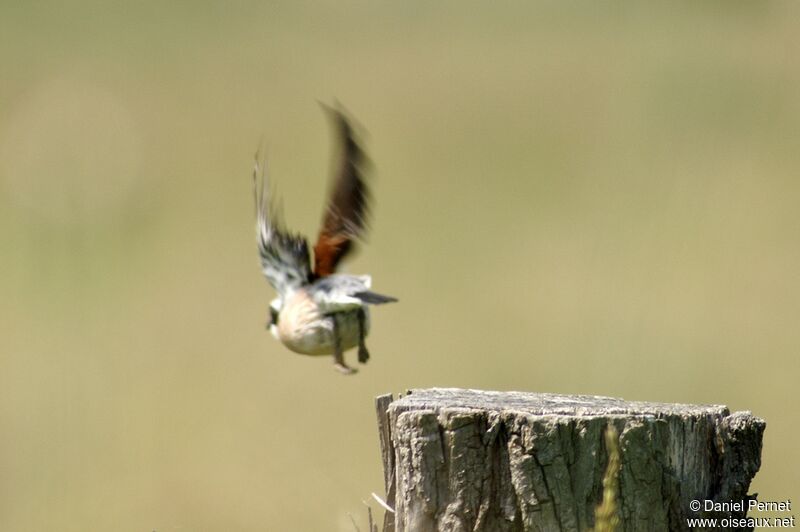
[(363, 354), (344, 369)]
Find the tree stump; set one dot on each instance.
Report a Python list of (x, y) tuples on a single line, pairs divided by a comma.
[(465, 460)]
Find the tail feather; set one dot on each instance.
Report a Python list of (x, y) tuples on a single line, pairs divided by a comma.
[(373, 298)]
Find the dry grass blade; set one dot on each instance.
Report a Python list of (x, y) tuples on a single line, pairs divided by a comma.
[(606, 518)]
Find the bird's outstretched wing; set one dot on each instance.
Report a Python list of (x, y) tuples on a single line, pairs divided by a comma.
[(284, 256), (345, 217)]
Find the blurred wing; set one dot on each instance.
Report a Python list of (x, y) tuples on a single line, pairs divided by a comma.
[(345, 217), (284, 256)]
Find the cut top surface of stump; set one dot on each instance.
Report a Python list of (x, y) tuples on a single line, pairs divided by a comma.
[(542, 404)]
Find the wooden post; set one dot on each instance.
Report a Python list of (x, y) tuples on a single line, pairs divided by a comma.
[(465, 460)]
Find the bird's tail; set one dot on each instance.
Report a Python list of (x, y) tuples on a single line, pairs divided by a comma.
[(372, 298)]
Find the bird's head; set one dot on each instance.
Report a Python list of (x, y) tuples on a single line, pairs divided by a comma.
[(274, 312)]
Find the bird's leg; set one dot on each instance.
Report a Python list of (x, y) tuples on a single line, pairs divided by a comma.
[(363, 354), (338, 354)]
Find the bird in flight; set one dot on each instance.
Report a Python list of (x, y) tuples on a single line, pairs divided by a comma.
[(319, 311)]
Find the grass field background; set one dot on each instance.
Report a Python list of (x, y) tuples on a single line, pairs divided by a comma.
[(570, 197)]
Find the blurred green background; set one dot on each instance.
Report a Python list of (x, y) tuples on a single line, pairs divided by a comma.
[(596, 198)]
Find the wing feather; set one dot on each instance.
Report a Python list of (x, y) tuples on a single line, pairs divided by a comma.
[(284, 256), (345, 218)]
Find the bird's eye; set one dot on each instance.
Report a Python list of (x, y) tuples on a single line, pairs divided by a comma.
[(273, 316)]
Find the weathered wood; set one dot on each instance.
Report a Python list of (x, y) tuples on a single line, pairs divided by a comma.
[(382, 403), (465, 460)]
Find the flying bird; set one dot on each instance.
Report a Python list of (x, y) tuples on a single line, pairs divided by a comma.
[(319, 311)]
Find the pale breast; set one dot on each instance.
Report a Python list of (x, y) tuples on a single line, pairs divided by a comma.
[(303, 329)]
